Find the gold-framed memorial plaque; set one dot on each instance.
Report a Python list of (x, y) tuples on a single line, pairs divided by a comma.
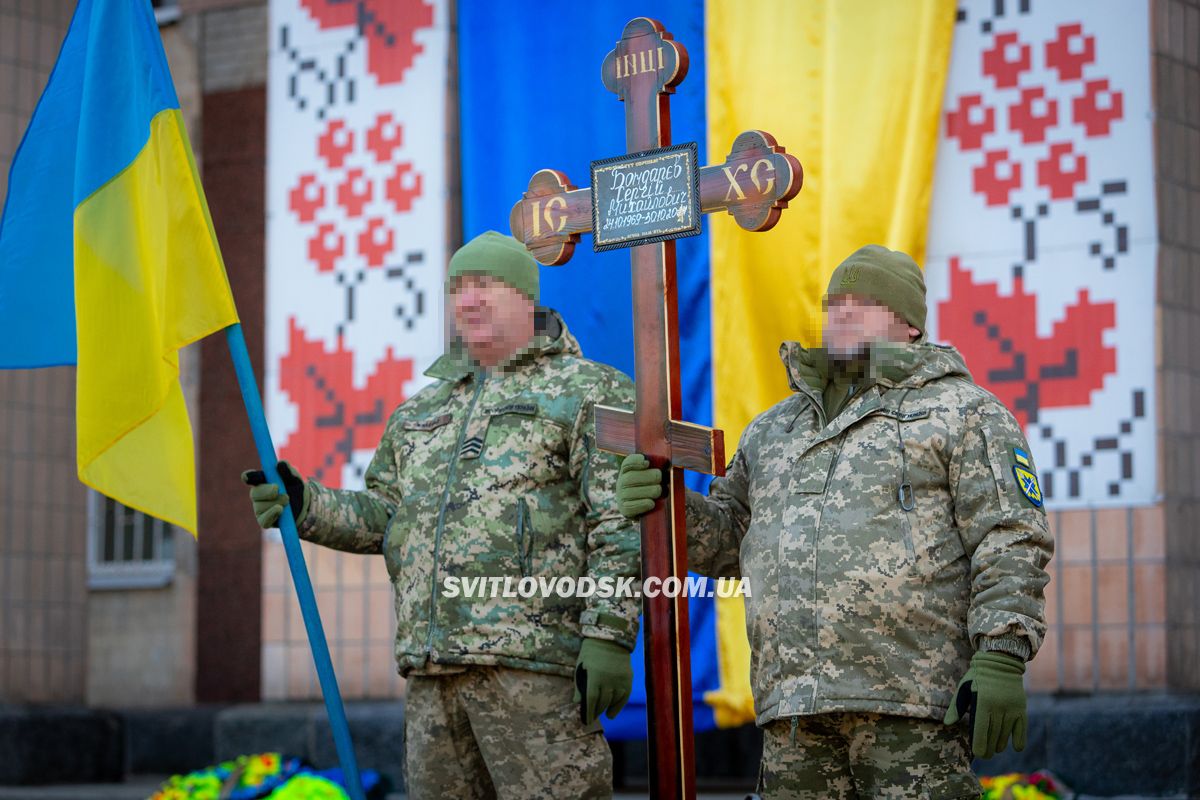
[(646, 197)]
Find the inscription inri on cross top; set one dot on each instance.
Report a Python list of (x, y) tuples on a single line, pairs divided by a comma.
[(753, 184)]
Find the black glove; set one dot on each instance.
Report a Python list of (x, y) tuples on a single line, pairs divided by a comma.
[(268, 502)]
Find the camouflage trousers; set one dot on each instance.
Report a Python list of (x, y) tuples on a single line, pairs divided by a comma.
[(856, 756), (494, 732)]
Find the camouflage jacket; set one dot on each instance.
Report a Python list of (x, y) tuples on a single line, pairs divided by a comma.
[(858, 604), (495, 474)]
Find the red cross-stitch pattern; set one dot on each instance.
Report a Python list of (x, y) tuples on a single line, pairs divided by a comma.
[(1098, 108), (335, 205), (1061, 170), (1033, 115), (389, 27), (1070, 51), (376, 241), (336, 418), (998, 336), (354, 192), (996, 177), (1020, 74), (335, 144), (384, 137), (971, 121), (1005, 60), (325, 247), (306, 197)]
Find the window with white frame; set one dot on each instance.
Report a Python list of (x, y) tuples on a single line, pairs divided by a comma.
[(126, 548)]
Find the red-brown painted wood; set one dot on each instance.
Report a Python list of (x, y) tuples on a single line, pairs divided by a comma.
[(753, 184), (643, 71)]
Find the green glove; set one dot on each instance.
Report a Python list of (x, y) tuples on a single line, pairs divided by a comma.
[(268, 502), (603, 679), (637, 486), (992, 695)]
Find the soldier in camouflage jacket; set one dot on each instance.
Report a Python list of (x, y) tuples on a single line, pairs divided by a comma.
[(889, 522), (494, 474)]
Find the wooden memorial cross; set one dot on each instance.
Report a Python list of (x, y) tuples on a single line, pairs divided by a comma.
[(753, 184)]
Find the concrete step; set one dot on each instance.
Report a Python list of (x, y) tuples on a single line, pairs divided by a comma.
[(139, 788), (1104, 745)]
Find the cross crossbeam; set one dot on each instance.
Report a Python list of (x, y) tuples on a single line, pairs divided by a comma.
[(753, 185)]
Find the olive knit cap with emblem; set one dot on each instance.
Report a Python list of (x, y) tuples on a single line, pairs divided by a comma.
[(502, 257), (888, 277)]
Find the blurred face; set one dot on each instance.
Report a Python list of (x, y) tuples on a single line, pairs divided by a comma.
[(852, 323), (493, 318)]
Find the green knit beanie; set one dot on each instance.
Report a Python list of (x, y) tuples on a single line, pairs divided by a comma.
[(888, 277), (502, 257)]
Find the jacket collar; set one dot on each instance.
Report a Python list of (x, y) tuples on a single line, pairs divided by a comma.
[(550, 338), (890, 366)]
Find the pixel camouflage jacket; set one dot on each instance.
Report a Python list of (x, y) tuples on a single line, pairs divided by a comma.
[(858, 604), (494, 475)]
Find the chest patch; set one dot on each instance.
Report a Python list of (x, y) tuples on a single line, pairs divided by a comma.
[(904, 416), (430, 424), (529, 409), (471, 447)]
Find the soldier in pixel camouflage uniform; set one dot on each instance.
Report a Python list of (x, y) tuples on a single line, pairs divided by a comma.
[(888, 517), (492, 471)]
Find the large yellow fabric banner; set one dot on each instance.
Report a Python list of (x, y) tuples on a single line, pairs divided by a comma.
[(853, 88)]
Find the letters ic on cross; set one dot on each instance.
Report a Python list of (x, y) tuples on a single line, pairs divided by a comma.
[(753, 185)]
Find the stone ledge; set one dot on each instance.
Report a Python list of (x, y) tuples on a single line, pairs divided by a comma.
[(1104, 745), (43, 744), (376, 729), (169, 741), (1145, 744)]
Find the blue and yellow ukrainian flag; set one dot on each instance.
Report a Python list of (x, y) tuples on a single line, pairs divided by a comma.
[(108, 259), (795, 69)]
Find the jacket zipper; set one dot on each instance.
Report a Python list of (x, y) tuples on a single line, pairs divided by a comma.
[(816, 539), (524, 538), (437, 538)]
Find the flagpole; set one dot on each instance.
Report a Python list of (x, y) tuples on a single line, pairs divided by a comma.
[(295, 557)]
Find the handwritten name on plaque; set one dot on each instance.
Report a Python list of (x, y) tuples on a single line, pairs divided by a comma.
[(646, 197)]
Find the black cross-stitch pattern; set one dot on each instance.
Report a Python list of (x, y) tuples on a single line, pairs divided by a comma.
[(414, 308), (1070, 469), (333, 85)]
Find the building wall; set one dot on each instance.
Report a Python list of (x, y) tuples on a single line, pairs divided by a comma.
[(354, 595), (1105, 603), (1177, 100), (1124, 595), (1124, 598), (60, 642), (234, 46), (229, 593), (141, 642), (232, 56), (43, 508)]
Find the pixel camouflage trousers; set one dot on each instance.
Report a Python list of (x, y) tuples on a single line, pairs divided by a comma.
[(856, 756), (494, 732)]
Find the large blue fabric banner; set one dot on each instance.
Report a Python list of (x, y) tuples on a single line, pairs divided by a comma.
[(531, 98)]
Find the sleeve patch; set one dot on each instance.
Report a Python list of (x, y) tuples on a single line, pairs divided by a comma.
[(1022, 458), (1027, 482)]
